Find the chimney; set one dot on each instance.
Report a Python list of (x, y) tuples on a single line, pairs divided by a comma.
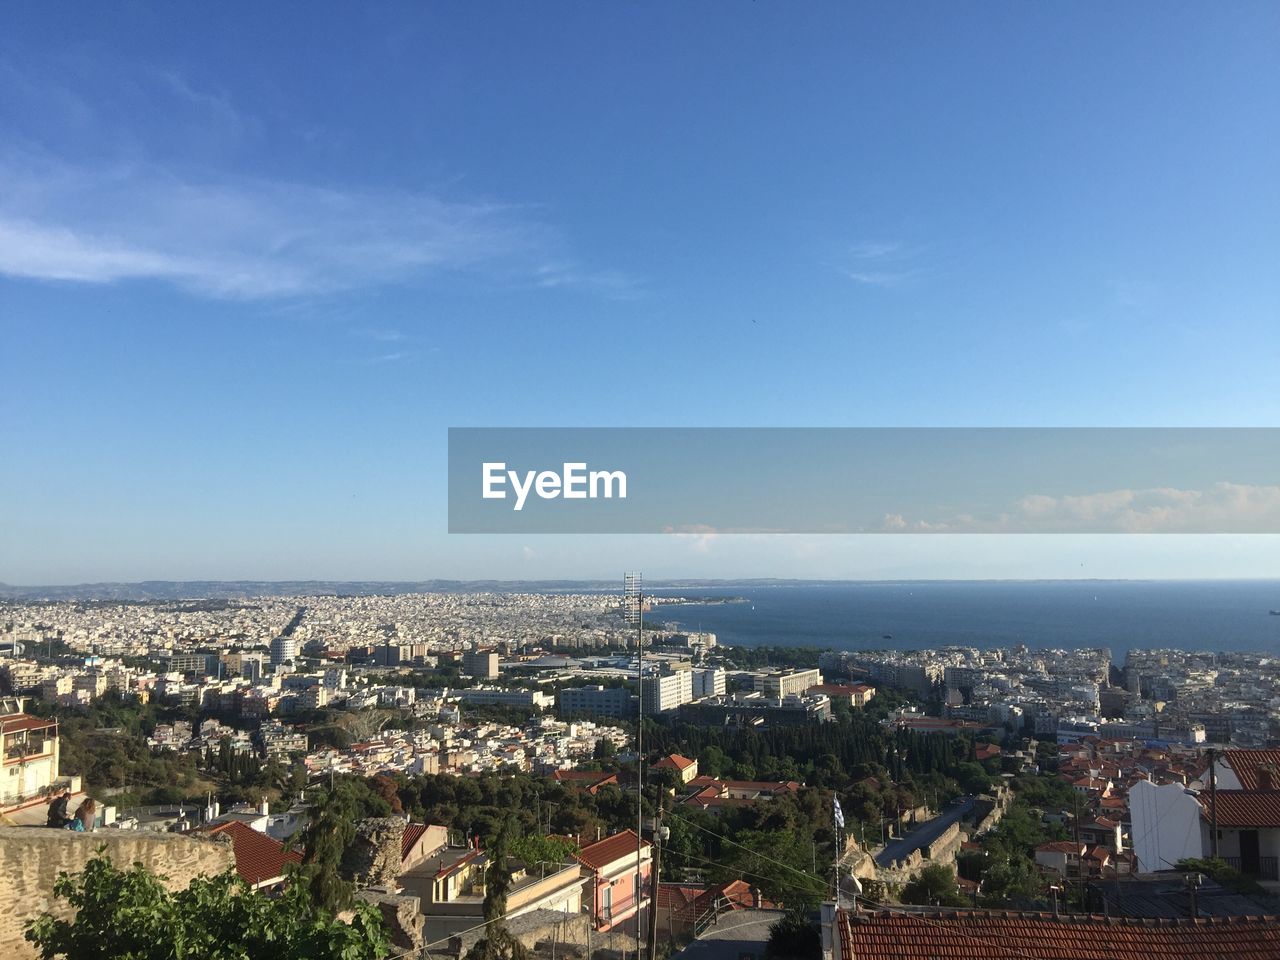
[(1266, 778)]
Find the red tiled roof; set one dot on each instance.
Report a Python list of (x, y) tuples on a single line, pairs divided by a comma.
[(736, 894), (1245, 808), (1060, 846), (1245, 763), (17, 722), (677, 896), (983, 935), (412, 832), (675, 761), (258, 857), (599, 855)]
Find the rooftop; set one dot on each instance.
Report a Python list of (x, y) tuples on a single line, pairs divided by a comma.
[(987, 935)]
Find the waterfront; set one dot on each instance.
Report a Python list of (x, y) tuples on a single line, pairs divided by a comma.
[(1120, 614)]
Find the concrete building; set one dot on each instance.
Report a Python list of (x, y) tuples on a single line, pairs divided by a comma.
[(708, 682), (28, 753), (612, 894), (786, 683), (480, 663), (664, 692), (507, 698), (597, 701), (284, 650)]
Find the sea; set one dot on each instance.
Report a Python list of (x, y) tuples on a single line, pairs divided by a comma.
[(910, 615)]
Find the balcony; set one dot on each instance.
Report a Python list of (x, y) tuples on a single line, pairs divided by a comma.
[(1268, 867)]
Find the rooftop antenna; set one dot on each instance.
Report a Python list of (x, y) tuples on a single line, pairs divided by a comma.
[(633, 613)]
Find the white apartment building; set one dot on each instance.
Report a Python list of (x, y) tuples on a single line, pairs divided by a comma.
[(708, 682), (666, 691)]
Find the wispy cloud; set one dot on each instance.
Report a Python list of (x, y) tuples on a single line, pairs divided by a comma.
[(608, 283), (138, 214), (249, 238), (880, 263), (379, 335), (1219, 508)]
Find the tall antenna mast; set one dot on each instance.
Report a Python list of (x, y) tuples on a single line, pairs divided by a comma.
[(633, 613)]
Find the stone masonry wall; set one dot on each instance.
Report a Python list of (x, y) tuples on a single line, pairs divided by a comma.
[(32, 857)]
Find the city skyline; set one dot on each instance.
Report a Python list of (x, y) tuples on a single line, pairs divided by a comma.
[(246, 288)]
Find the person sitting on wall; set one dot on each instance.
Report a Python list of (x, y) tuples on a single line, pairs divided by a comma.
[(82, 822), (58, 809)]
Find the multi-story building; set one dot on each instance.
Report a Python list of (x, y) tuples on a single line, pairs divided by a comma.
[(284, 650), (28, 753), (615, 864), (480, 663), (597, 701), (507, 698), (185, 663), (786, 683), (708, 682), (663, 692)]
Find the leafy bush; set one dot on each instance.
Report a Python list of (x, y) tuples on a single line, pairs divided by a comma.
[(129, 915)]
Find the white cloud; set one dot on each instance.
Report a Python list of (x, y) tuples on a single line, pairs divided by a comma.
[(879, 263), (1221, 508), (248, 238)]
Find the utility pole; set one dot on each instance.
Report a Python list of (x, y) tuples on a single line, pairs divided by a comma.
[(1213, 803), (633, 611), (654, 867), (1080, 870)]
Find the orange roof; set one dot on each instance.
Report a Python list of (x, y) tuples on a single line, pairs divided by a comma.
[(675, 761), (1245, 808), (1246, 763), (258, 857), (599, 855), (412, 832), (1013, 936), (1060, 846), (17, 722)]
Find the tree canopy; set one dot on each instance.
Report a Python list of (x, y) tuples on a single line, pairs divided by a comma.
[(129, 915)]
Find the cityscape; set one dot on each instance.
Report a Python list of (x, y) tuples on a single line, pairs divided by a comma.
[(1097, 781)]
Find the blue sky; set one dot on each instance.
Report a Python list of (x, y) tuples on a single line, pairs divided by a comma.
[(254, 262)]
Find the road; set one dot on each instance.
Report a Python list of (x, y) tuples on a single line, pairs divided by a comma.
[(924, 834)]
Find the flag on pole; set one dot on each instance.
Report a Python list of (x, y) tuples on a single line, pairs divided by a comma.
[(839, 814)]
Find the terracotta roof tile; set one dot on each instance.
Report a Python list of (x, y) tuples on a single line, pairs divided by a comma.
[(258, 857), (984, 935), (412, 832), (599, 855), (1245, 808), (1246, 764)]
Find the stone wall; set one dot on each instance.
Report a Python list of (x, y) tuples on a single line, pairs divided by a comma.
[(536, 930), (373, 858), (402, 915), (32, 857), (944, 849)]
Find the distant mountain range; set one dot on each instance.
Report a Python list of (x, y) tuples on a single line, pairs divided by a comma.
[(241, 589)]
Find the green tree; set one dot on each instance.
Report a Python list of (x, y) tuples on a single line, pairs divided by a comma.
[(329, 831), (533, 850), (129, 915), (935, 885), (498, 943), (794, 937)]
